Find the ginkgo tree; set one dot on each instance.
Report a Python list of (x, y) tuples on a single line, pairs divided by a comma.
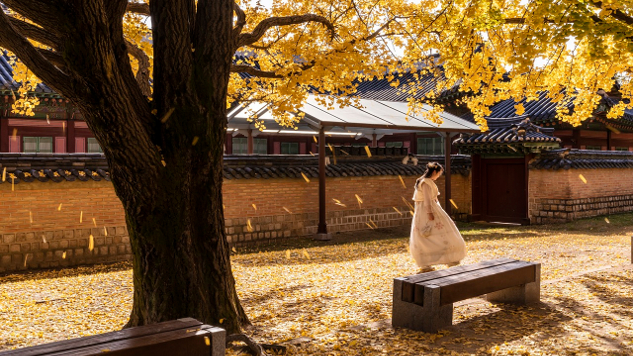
[(154, 80)]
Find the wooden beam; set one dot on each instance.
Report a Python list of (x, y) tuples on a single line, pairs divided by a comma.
[(447, 172), (322, 233), (4, 134), (70, 136), (249, 142)]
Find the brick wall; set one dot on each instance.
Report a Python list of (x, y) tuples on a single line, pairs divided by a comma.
[(35, 234), (561, 195)]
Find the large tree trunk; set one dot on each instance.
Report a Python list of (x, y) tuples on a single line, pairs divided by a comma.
[(171, 188)]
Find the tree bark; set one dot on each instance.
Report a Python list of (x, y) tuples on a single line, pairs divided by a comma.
[(171, 188)]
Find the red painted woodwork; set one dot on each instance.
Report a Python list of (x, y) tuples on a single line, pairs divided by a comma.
[(80, 144), (60, 144), (504, 196), (15, 144), (277, 148), (302, 148), (4, 135)]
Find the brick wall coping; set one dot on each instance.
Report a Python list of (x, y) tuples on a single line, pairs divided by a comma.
[(21, 167), (582, 159)]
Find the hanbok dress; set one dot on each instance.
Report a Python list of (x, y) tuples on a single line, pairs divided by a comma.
[(443, 243)]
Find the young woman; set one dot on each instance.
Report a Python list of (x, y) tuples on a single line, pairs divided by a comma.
[(434, 237)]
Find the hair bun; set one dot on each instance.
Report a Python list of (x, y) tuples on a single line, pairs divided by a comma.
[(431, 165)]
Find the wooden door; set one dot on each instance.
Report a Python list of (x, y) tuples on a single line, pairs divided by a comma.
[(505, 190)]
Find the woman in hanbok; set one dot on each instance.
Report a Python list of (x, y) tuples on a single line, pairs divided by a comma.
[(434, 237)]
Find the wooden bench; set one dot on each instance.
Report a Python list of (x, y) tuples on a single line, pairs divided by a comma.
[(424, 301), (182, 337)]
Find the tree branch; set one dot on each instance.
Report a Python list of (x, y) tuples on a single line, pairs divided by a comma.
[(49, 14), (138, 8), (241, 20), (14, 41), (616, 14), (53, 57), (260, 30), (142, 75), (35, 33)]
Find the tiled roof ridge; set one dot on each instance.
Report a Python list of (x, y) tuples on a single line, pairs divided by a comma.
[(573, 158), (21, 167), (509, 130)]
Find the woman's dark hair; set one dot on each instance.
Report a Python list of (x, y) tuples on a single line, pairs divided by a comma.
[(431, 168)]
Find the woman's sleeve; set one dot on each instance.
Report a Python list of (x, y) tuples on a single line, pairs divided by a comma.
[(427, 192)]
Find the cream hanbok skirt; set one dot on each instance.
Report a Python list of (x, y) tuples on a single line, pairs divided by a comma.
[(444, 245)]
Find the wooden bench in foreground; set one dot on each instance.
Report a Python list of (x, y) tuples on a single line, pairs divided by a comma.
[(182, 337), (424, 301)]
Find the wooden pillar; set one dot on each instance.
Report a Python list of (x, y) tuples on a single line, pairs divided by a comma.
[(576, 136), (322, 233), (249, 142), (70, 136), (4, 134), (447, 173), (374, 141), (608, 140)]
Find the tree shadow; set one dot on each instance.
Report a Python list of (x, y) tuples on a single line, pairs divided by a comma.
[(64, 272)]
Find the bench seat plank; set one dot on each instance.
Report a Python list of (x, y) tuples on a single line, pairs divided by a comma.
[(134, 332), (408, 286), (183, 342)]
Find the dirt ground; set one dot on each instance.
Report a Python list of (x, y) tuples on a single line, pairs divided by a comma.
[(334, 298)]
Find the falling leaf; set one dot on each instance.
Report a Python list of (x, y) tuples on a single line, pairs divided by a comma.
[(4, 174), (368, 151), (360, 201), (306, 254), (233, 249), (64, 127), (195, 140), (607, 220), (26, 257), (402, 181), (154, 112), (407, 203), (345, 152), (373, 223), (43, 239), (613, 129), (512, 148), (305, 177), (411, 211), (81, 217), (287, 254), (311, 153), (315, 139), (30, 216), (396, 209), (59, 208), (582, 178), (338, 202), (14, 136), (254, 206), (453, 203), (91, 243), (249, 227), (207, 341), (94, 221), (286, 209), (105, 350), (163, 162), (221, 321), (167, 115), (105, 231), (331, 148), (12, 184), (48, 121), (371, 227), (64, 255)]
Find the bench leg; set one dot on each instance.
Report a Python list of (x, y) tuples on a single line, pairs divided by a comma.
[(529, 293), (430, 317)]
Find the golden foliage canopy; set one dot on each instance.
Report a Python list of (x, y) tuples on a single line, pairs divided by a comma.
[(495, 49)]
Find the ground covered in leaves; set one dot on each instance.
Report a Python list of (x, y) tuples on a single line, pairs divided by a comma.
[(335, 298)]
